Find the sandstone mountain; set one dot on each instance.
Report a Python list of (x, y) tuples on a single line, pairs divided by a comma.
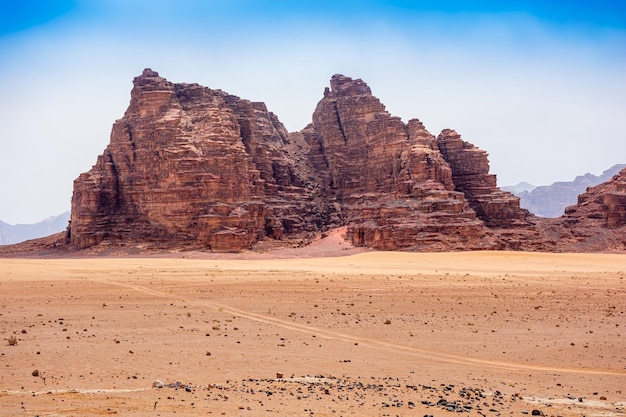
[(551, 200), (598, 221), (192, 167), (188, 165)]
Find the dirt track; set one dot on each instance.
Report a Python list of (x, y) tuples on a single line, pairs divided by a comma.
[(370, 334)]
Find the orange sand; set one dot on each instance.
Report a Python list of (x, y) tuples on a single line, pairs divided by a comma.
[(373, 333)]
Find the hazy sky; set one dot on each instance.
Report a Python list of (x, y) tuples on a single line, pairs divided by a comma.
[(540, 85)]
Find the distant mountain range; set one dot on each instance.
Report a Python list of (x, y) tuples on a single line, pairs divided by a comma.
[(17, 233), (519, 188), (551, 200)]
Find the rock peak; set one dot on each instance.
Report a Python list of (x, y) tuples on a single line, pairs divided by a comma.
[(150, 79), (147, 72), (448, 134), (342, 85)]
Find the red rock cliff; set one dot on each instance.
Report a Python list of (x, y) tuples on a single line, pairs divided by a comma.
[(188, 166), (470, 174), (597, 222), (388, 180)]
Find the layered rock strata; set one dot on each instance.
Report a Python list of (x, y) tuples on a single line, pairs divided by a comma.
[(551, 200), (604, 204), (597, 222), (470, 174), (192, 167), (389, 181), (187, 164)]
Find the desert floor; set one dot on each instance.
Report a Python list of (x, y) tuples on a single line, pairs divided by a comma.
[(376, 333)]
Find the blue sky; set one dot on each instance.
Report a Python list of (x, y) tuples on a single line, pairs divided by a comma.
[(541, 86)]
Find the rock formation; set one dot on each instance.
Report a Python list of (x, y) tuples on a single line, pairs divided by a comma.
[(192, 167), (551, 200), (188, 165), (598, 221), (388, 180), (470, 174)]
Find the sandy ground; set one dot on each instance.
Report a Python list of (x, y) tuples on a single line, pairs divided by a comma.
[(379, 334)]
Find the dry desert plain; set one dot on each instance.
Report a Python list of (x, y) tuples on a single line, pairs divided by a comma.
[(368, 334)]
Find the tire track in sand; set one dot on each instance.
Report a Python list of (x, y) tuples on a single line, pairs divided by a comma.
[(431, 355)]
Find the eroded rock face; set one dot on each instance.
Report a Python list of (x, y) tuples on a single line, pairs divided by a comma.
[(388, 180), (551, 200), (597, 222), (188, 166), (470, 174), (603, 205)]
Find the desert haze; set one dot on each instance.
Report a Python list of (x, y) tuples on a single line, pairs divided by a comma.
[(370, 333)]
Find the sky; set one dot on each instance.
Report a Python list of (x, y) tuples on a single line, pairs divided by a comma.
[(541, 86)]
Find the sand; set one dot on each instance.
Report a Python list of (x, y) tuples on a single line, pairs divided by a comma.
[(374, 334)]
